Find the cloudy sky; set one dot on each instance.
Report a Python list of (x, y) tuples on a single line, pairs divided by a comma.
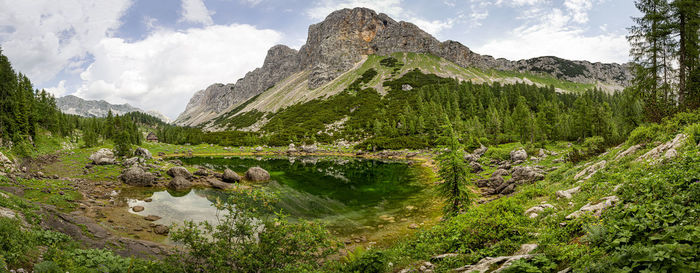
[(156, 54)]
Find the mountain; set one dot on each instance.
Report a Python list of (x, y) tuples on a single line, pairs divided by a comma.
[(347, 38), (99, 108)]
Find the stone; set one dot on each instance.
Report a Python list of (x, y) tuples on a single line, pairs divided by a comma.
[(445, 256), (7, 213), (595, 209), (201, 172), (413, 226), (631, 150), (6, 164), (500, 172), (103, 156), (143, 153), (152, 218), (161, 230), (568, 194), (218, 184), (161, 154), (257, 174), (138, 208), (136, 176), (309, 149), (533, 212), (589, 171), (132, 161), (526, 249), (230, 176), (481, 150), (179, 183), (258, 149), (179, 171), (292, 148), (471, 157), (665, 150), (518, 155), (475, 167), (526, 174), (490, 264)]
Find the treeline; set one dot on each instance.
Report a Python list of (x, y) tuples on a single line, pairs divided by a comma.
[(665, 48), (123, 130), (480, 114), (25, 110)]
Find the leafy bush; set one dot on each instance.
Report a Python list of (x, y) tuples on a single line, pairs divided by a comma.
[(249, 238), (373, 261)]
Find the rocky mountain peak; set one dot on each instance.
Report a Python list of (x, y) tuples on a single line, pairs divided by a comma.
[(340, 41)]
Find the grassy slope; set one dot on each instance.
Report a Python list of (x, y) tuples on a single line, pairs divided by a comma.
[(294, 89)]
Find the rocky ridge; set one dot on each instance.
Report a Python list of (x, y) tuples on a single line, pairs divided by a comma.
[(99, 108), (339, 42)]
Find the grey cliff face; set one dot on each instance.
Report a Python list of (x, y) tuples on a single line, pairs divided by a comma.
[(337, 43)]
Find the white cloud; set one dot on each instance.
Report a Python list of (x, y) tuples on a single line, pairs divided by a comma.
[(164, 70), (393, 8), (44, 37), (579, 9), (251, 3), (58, 91), (554, 35), (194, 11)]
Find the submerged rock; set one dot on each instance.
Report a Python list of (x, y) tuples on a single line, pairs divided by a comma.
[(138, 208), (103, 156), (218, 184), (230, 176), (257, 174)]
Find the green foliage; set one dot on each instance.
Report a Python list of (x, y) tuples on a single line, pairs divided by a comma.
[(538, 264), (247, 239), (122, 145), (372, 261), (244, 120), (13, 242)]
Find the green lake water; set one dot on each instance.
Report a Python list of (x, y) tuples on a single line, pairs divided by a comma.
[(347, 194)]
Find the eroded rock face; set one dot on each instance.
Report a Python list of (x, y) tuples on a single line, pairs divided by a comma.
[(136, 176), (589, 171), (257, 174), (6, 165), (103, 156), (535, 211), (568, 194)]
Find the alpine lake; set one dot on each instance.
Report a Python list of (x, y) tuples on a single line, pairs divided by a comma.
[(361, 201)]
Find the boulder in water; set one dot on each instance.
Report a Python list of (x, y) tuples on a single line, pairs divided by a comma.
[(257, 174), (179, 171), (230, 176)]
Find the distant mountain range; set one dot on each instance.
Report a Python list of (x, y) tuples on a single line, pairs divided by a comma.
[(347, 38), (99, 108)]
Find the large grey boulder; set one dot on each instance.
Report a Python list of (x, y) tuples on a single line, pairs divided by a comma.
[(179, 183), (518, 155), (527, 174), (230, 176), (143, 153), (136, 176), (179, 171), (103, 156), (257, 174)]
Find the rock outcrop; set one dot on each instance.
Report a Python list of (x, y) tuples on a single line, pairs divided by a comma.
[(665, 150), (99, 108), (595, 209), (143, 153), (518, 155), (339, 42)]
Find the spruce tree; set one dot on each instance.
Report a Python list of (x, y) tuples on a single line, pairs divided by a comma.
[(453, 171)]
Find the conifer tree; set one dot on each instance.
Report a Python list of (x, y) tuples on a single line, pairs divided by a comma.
[(453, 171)]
